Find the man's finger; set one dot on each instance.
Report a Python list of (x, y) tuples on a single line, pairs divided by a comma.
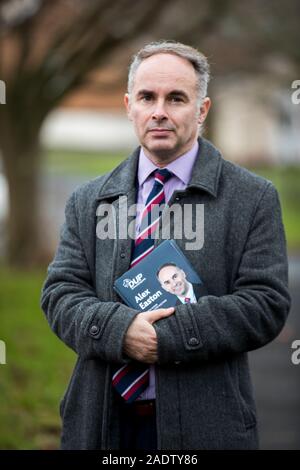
[(154, 315)]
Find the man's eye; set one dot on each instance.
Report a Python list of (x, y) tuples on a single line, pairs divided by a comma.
[(176, 99), (146, 98)]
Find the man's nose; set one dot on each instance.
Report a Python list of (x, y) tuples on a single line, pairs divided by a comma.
[(159, 112)]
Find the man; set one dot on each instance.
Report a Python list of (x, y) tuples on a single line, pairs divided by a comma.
[(172, 378), (173, 280)]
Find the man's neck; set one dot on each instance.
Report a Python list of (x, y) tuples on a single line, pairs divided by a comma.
[(161, 161)]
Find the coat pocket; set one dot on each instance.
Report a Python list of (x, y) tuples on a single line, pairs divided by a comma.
[(63, 401), (235, 376)]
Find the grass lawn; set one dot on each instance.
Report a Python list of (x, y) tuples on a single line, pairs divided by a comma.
[(286, 180), (82, 163), (37, 369)]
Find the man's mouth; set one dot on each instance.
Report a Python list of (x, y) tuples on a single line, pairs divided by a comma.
[(159, 131)]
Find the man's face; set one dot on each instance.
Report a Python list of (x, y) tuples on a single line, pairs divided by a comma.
[(173, 280), (163, 106)]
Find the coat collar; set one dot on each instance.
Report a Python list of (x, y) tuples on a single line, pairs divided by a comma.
[(122, 179), (205, 175)]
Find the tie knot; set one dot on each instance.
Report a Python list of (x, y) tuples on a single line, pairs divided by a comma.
[(162, 175), (187, 300)]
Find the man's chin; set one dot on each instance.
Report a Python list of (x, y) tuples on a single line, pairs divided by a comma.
[(162, 149), (179, 293)]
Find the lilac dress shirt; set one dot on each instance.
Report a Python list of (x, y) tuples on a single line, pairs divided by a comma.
[(182, 170)]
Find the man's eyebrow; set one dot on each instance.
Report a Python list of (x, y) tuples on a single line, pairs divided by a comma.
[(145, 92), (178, 93), (171, 93)]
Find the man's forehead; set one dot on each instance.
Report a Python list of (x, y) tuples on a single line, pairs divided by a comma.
[(163, 61), (165, 70), (169, 270), (165, 87)]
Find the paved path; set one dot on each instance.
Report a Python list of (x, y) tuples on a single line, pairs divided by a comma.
[(277, 380)]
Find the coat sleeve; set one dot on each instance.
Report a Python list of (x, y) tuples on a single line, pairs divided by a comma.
[(251, 315), (89, 326)]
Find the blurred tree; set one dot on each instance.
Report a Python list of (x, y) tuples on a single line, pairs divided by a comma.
[(48, 48)]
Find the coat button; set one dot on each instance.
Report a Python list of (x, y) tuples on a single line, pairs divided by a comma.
[(177, 363), (177, 198), (94, 330), (122, 255), (193, 341)]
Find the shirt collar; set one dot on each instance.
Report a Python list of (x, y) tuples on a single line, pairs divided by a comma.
[(181, 167)]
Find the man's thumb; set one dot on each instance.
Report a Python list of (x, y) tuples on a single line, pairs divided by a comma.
[(155, 315)]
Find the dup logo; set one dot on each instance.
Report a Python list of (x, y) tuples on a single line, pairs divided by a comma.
[(2, 353), (2, 92), (135, 282)]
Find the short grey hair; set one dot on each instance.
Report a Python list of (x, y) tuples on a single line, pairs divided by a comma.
[(192, 55)]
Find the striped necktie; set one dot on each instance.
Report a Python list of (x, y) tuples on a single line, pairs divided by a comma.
[(133, 378)]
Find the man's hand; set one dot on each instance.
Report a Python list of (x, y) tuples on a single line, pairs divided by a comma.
[(140, 341)]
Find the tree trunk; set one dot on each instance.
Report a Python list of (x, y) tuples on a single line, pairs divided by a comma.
[(21, 167)]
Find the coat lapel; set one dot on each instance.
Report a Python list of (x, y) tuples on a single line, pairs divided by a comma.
[(113, 254)]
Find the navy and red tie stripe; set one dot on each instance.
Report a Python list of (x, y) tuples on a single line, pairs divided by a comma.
[(133, 378)]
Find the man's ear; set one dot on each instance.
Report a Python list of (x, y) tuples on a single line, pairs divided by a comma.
[(127, 105), (204, 108)]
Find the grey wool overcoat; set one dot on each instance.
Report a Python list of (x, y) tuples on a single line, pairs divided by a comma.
[(203, 388)]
